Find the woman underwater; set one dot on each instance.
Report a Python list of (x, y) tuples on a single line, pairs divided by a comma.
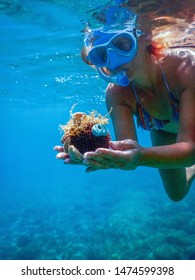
[(159, 90)]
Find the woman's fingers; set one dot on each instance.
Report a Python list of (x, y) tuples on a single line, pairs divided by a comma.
[(102, 154), (66, 144), (75, 155), (58, 149), (72, 156), (62, 156)]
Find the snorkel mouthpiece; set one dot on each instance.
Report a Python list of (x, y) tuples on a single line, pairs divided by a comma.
[(119, 79), (122, 80)]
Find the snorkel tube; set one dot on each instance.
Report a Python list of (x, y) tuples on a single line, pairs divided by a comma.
[(119, 79)]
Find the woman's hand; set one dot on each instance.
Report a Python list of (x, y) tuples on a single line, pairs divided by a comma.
[(69, 153), (124, 155)]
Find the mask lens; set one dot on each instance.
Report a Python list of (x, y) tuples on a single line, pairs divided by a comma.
[(98, 56), (123, 43)]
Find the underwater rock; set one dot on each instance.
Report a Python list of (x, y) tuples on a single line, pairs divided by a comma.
[(179, 239), (23, 241), (168, 252), (190, 225), (190, 252), (85, 132), (28, 253)]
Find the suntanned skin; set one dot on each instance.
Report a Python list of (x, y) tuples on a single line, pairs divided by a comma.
[(173, 151)]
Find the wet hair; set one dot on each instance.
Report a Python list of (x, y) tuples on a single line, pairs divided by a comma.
[(155, 49)]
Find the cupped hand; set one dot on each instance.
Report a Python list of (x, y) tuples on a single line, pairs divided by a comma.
[(121, 155)]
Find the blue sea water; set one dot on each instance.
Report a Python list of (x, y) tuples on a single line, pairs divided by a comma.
[(49, 210)]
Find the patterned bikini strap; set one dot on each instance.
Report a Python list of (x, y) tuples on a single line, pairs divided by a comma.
[(164, 78), (135, 94), (173, 101)]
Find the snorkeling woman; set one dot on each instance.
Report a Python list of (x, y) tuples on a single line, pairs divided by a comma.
[(159, 90)]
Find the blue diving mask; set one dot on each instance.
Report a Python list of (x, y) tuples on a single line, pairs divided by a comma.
[(111, 50)]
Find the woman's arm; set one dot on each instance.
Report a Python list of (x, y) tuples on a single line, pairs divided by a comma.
[(182, 153), (117, 101), (129, 155), (177, 155)]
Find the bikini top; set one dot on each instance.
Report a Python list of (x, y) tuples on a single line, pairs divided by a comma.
[(148, 122)]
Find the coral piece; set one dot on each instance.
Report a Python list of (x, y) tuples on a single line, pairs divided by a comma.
[(85, 132)]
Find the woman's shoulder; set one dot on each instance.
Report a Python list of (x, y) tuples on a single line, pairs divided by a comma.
[(118, 94), (118, 90), (180, 68), (179, 55)]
